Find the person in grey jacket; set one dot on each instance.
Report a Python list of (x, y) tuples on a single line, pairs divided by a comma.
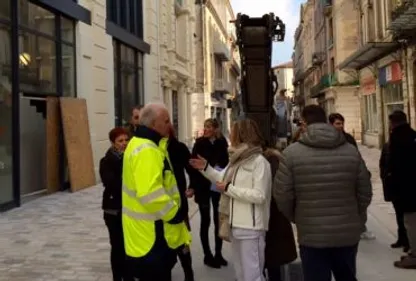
[(323, 186)]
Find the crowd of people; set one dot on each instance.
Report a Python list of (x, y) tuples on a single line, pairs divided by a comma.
[(320, 183)]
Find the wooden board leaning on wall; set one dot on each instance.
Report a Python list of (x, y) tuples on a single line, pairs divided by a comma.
[(77, 140), (53, 129)]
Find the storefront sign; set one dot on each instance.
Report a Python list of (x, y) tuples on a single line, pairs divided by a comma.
[(368, 86), (389, 74)]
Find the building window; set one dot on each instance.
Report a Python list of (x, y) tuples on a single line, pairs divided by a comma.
[(181, 35), (175, 111), (331, 33), (393, 100), (370, 113), (219, 70), (128, 81), (6, 142), (379, 15), (370, 25), (126, 14), (46, 52)]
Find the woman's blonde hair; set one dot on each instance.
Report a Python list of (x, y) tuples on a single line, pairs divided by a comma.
[(212, 122), (246, 131)]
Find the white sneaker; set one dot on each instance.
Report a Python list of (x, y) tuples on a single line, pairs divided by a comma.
[(368, 235)]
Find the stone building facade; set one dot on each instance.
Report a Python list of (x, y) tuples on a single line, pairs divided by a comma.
[(217, 64), (328, 36)]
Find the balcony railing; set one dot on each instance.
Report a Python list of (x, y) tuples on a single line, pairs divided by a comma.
[(403, 20), (222, 86), (221, 50), (400, 7), (326, 81)]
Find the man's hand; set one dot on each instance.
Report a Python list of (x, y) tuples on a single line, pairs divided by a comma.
[(189, 193)]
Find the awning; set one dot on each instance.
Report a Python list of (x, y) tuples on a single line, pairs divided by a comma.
[(368, 54)]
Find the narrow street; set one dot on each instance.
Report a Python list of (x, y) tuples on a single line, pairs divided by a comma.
[(63, 237)]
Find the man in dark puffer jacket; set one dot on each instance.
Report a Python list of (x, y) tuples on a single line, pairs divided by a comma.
[(324, 187)]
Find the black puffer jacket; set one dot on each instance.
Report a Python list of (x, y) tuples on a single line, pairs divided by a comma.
[(111, 168)]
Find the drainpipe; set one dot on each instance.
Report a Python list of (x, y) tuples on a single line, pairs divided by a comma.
[(407, 80), (204, 56), (160, 91)]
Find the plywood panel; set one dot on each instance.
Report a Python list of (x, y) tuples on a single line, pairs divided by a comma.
[(77, 143), (53, 122)]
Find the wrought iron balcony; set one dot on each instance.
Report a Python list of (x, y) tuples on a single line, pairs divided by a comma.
[(222, 86), (326, 81), (403, 20), (318, 58), (327, 7), (400, 7)]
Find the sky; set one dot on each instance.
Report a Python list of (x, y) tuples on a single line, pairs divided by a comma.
[(287, 10)]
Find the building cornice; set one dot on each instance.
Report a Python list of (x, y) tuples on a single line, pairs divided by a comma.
[(214, 13)]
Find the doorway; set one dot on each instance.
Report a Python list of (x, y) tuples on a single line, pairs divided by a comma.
[(32, 145)]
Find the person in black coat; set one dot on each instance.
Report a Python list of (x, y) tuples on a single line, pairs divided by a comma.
[(388, 192), (179, 156), (111, 167), (400, 168), (214, 148)]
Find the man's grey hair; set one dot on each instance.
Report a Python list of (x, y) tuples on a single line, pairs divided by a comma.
[(150, 112)]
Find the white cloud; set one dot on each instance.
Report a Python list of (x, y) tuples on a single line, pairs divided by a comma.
[(286, 10)]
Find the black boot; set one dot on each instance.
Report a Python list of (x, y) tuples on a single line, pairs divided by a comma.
[(210, 261), (397, 244), (186, 262), (220, 260)]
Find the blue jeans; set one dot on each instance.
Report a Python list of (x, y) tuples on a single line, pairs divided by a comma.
[(319, 264)]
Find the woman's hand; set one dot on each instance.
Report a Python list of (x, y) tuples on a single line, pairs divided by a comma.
[(221, 186), (198, 163)]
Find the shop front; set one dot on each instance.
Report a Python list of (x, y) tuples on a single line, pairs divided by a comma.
[(369, 111), (390, 81), (37, 60)]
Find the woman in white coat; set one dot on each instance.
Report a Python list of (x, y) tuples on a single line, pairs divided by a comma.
[(246, 191)]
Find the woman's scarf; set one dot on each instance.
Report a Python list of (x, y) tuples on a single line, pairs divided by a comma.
[(238, 156), (116, 153)]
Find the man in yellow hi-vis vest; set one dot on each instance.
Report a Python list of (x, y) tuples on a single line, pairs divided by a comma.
[(153, 221)]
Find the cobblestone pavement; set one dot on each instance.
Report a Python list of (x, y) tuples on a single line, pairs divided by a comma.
[(63, 237)]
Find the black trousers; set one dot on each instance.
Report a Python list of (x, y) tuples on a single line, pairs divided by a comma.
[(205, 212), (319, 263), (274, 273), (401, 229), (184, 255), (155, 266), (118, 255)]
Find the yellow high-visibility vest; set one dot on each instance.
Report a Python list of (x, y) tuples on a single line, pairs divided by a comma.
[(150, 194)]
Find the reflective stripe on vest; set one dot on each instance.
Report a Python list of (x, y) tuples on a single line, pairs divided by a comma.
[(151, 196), (143, 146), (148, 216)]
